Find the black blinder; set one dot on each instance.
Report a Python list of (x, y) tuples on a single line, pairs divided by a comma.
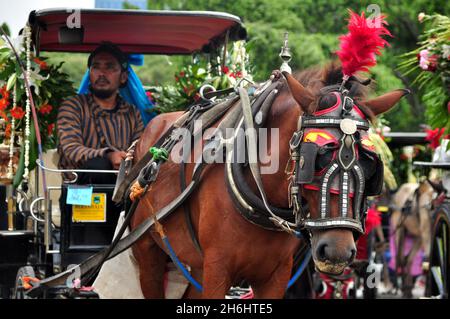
[(373, 172), (306, 163), (324, 158)]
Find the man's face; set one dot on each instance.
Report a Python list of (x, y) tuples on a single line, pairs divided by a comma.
[(106, 75)]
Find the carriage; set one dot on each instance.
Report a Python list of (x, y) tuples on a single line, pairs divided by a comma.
[(37, 243), (425, 201), (323, 139), (436, 268)]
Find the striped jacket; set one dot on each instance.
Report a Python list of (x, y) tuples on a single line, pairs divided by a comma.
[(86, 130)]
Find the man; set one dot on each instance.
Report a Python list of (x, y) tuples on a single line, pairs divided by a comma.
[(95, 129)]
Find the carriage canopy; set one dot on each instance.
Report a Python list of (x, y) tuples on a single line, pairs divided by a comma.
[(134, 31)]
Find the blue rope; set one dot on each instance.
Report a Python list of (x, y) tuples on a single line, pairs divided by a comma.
[(300, 269), (180, 266), (199, 287)]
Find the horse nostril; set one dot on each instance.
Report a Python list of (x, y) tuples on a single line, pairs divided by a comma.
[(353, 254), (321, 252)]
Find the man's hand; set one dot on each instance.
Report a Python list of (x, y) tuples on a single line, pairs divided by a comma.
[(116, 157), (276, 75)]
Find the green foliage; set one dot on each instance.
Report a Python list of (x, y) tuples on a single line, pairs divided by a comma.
[(266, 41), (402, 166), (75, 64), (314, 27), (430, 64), (185, 91), (127, 5), (5, 28), (49, 86), (192, 77), (401, 118)]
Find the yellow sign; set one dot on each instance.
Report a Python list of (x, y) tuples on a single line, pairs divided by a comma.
[(95, 213)]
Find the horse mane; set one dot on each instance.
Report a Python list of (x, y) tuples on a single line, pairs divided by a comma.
[(317, 77)]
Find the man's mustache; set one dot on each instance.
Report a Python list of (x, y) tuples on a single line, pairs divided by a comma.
[(102, 79)]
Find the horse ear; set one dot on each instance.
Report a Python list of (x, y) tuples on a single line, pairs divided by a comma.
[(438, 187), (386, 101), (301, 95)]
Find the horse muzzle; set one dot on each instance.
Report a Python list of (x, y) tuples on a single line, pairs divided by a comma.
[(333, 250)]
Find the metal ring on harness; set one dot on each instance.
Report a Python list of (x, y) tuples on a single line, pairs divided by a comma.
[(207, 86)]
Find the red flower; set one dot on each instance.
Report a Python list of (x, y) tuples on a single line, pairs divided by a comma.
[(232, 75), (42, 64), (17, 113), (434, 137), (50, 128), (182, 74), (177, 79), (433, 62), (238, 74), (225, 69), (45, 109), (4, 93), (149, 96), (416, 151), (3, 104), (3, 115), (403, 157)]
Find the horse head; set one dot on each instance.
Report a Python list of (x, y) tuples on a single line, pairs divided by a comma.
[(336, 163)]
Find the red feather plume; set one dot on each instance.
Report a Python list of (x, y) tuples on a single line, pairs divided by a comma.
[(359, 47)]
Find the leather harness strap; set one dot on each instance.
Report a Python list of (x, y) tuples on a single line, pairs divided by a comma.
[(123, 183), (253, 162)]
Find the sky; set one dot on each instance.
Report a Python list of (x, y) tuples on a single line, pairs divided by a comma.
[(15, 12)]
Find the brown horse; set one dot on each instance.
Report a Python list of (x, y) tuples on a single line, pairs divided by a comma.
[(411, 217), (234, 249)]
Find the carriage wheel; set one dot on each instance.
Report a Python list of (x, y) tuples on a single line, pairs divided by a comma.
[(26, 271), (438, 275)]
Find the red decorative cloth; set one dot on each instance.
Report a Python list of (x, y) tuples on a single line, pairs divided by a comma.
[(373, 220)]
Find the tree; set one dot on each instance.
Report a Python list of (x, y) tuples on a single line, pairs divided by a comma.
[(127, 5)]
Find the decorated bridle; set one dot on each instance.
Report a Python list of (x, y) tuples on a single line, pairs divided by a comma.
[(332, 154), (331, 151)]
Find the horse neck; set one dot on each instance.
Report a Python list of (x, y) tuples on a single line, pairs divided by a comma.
[(283, 117)]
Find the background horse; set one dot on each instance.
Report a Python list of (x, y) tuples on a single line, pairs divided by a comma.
[(234, 249), (410, 228)]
